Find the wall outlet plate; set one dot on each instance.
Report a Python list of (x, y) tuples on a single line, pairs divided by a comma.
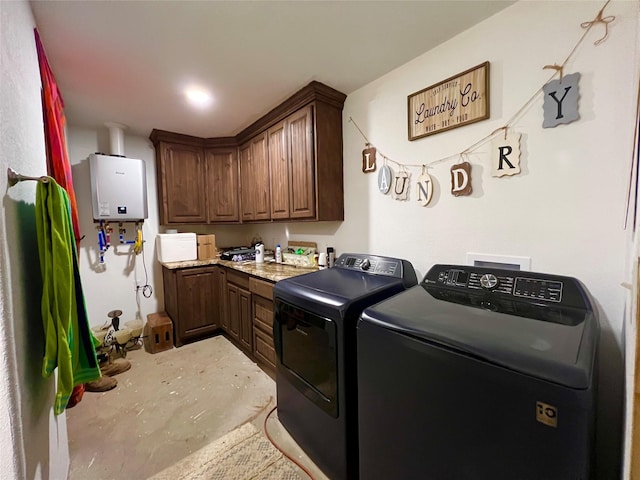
[(509, 262)]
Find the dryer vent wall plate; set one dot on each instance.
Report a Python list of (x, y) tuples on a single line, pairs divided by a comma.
[(499, 261)]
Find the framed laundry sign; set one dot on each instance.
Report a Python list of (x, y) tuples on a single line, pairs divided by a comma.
[(451, 103)]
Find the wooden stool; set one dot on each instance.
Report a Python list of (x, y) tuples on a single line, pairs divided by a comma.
[(158, 333)]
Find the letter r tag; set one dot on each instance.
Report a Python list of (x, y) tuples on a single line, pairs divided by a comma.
[(505, 155)]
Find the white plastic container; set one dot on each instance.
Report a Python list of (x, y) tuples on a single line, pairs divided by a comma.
[(278, 254), (260, 253), (176, 247)]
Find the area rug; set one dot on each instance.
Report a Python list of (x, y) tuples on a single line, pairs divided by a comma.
[(242, 454)]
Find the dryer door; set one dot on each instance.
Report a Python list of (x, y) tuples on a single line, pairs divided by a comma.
[(307, 356)]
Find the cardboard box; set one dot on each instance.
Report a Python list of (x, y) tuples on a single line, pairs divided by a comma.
[(207, 247)]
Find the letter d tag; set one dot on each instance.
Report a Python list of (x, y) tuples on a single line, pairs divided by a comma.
[(461, 179)]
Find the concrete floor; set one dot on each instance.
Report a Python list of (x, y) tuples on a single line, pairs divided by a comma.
[(167, 406)]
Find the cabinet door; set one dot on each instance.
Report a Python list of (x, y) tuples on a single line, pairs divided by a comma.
[(197, 302), (254, 179), (222, 185), (182, 183), (264, 350), (279, 179), (222, 296), (233, 309), (247, 184), (246, 325), (303, 194), (260, 164)]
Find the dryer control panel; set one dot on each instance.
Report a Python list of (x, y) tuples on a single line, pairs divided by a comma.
[(375, 265), (526, 286)]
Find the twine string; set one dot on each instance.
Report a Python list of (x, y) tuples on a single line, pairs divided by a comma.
[(600, 19)]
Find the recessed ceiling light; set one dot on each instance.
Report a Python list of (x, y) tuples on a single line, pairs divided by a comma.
[(198, 97)]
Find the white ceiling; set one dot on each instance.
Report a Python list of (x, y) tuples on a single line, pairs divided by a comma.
[(128, 61)]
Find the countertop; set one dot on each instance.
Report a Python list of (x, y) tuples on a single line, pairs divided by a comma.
[(268, 271)]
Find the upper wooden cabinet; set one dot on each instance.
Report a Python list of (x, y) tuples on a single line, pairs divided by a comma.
[(289, 166), (181, 183), (197, 179), (279, 164), (222, 185), (254, 179), (302, 185)]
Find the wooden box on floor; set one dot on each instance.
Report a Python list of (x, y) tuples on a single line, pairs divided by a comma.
[(158, 333)]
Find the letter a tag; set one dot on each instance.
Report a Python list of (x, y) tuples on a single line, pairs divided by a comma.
[(384, 179), (505, 155), (560, 103), (461, 179)]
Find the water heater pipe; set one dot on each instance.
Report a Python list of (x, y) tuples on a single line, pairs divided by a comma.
[(116, 138)]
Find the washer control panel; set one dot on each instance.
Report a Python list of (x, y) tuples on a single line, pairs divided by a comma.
[(518, 284)]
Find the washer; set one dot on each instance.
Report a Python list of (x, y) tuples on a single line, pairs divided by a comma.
[(314, 331), (479, 374)]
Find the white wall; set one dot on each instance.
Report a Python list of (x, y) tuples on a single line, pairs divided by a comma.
[(565, 210), (112, 285), (33, 443)]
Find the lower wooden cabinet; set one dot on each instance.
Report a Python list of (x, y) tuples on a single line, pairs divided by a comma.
[(191, 301), (239, 309), (263, 349), (221, 292), (203, 300)]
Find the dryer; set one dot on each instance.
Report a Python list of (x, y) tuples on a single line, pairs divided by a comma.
[(314, 333), (479, 374)]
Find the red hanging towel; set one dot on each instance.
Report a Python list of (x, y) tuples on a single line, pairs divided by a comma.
[(58, 165)]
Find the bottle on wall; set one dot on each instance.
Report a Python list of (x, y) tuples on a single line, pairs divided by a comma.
[(278, 254)]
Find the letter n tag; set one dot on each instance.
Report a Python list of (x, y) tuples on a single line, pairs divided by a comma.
[(560, 103), (505, 155)]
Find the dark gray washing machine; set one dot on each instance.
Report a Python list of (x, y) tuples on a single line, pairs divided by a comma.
[(314, 332), (479, 374)]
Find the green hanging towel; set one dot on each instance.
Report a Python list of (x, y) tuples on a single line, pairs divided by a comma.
[(69, 343)]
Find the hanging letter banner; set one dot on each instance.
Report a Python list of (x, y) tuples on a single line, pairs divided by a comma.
[(384, 179), (369, 160), (424, 189), (461, 179), (401, 186), (505, 155), (560, 103)]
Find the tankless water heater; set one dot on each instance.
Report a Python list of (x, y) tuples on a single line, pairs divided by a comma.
[(118, 188)]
